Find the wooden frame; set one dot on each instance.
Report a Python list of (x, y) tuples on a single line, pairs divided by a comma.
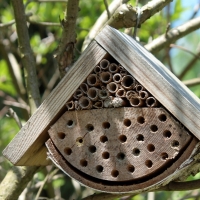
[(28, 147)]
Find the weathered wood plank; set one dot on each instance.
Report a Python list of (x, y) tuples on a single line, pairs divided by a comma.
[(26, 147), (153, 75)]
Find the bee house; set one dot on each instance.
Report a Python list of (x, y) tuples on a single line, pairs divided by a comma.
[(119, 121)]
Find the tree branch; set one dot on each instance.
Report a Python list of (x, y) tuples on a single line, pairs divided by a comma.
[(101, 22), (192, 82), (65, 51), (173, 35), (27, 56), (126, 16)]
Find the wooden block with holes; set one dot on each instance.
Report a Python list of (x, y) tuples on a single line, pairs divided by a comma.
[(119, 121)]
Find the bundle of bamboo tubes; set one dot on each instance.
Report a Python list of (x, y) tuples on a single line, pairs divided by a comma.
[(110, 85)]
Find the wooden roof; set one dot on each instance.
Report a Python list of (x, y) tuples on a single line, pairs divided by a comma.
[(27, 148)]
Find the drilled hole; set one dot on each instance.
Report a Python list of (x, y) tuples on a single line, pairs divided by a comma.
[(70, 123), (167, 134), (122, 138), (114, 173), (140, 120), (140, 138), (92, 149), (105, 155), (149, 163), (68, 151), (164, 156), (99, 168), (127, 122), (83, 163), (150, 147), (136, 152), (103, 139), (131, 168), (89, 127), (121, 156), (153, 128), (175, 143), (61, 135), (162, 117), (79, 141), (106, 125)]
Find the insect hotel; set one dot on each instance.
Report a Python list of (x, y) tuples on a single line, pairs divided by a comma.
[(119, 121)]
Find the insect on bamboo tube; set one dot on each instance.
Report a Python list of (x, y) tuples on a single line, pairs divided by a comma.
[(93, 93), (92, 80), (78, 93), (151, 102), (84, 88), (113, 68), (106, 77), (112, 87), (136, 102), (128, 82), (85, 103), (70, 105), (104, 64), (117, 78), (143, 95)]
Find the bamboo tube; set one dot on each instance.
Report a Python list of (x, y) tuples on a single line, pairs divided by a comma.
[(143, 95), (84, 88), (103, 94), (85, 103), (128, 82), (118, 102), (97, 70), (104, 64), (139, 88), (121, 93), (151, 102), (131, 94), (117, 78), (92, 80), (136, 102), (70, 105), (78, 93), (106, 77), (113, 68), (76, 105), (93, 93), (98, 104), (112, 87)]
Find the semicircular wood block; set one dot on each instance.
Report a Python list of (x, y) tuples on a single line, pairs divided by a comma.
[(131, 142)]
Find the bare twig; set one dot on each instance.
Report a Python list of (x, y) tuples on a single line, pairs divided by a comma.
[(189, 65), (65, 51), (27, 56), (181, 186), (125, 16), (5, 25), (107, 9), (13, 114), (104, 196), (173, 35), (101, 22), (44, 23), (192, 82), (184, 49), (16, 104), (196, 10)]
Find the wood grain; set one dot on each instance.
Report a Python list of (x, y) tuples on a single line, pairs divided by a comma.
[(154, 76), (27, 148)]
